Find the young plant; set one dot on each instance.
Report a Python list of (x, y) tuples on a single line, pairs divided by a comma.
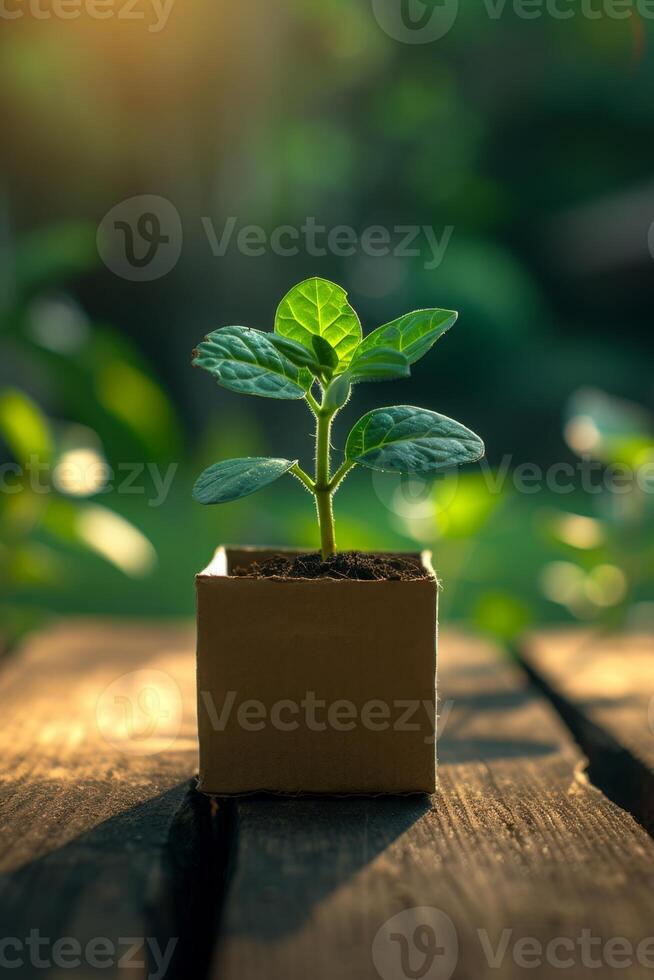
[(317, 353)]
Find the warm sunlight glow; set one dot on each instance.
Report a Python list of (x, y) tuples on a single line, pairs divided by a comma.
[(116, 540), (141, 712), (606, 585), (80, 472), (579, 532), (562, 582), (581, 434)]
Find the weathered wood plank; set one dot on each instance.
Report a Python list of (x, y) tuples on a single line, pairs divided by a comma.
[(97, 750), (603, 684), (516, 839)]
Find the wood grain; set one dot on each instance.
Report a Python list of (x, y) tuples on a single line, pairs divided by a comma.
[(604, 686), (100, 836), (516, 839), (98, 829)]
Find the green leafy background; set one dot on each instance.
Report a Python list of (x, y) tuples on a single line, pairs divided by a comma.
[(529, 138)]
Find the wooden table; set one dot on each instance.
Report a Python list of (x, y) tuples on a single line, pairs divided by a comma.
[(527, 862)]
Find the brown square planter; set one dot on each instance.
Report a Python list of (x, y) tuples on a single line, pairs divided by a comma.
[(315, 685)]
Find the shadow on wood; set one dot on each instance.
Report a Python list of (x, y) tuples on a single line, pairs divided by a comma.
[(516, 843), (458, 718), (145, 873), (294, 852)]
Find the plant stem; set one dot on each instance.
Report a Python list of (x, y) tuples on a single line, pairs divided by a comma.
[(323, 489), (340, 474), (325, 485), (326, 521), (312, 403), (303, 477)]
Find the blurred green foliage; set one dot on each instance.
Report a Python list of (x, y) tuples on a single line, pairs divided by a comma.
[(112, 410), (529, 138)]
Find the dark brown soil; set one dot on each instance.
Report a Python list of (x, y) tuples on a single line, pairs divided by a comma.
[(345, 565)]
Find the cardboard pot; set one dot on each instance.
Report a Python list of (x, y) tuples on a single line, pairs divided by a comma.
[(315, 685)]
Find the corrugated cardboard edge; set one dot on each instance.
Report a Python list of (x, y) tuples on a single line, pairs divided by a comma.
[(307, 794), (218, 567)]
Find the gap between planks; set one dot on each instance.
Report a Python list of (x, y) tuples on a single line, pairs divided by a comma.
[(515, 840), (97, 841), (602, 684)]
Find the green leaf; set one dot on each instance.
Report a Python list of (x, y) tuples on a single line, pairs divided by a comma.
[(235, 478), (295, 352), (246, 360), (338, 392), (24, 427), (404, 439), (412, 334), (317, 307), (378, 364), (325, 353), (321, 359)]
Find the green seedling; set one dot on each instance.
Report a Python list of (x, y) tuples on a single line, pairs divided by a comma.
[(317, 353)]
